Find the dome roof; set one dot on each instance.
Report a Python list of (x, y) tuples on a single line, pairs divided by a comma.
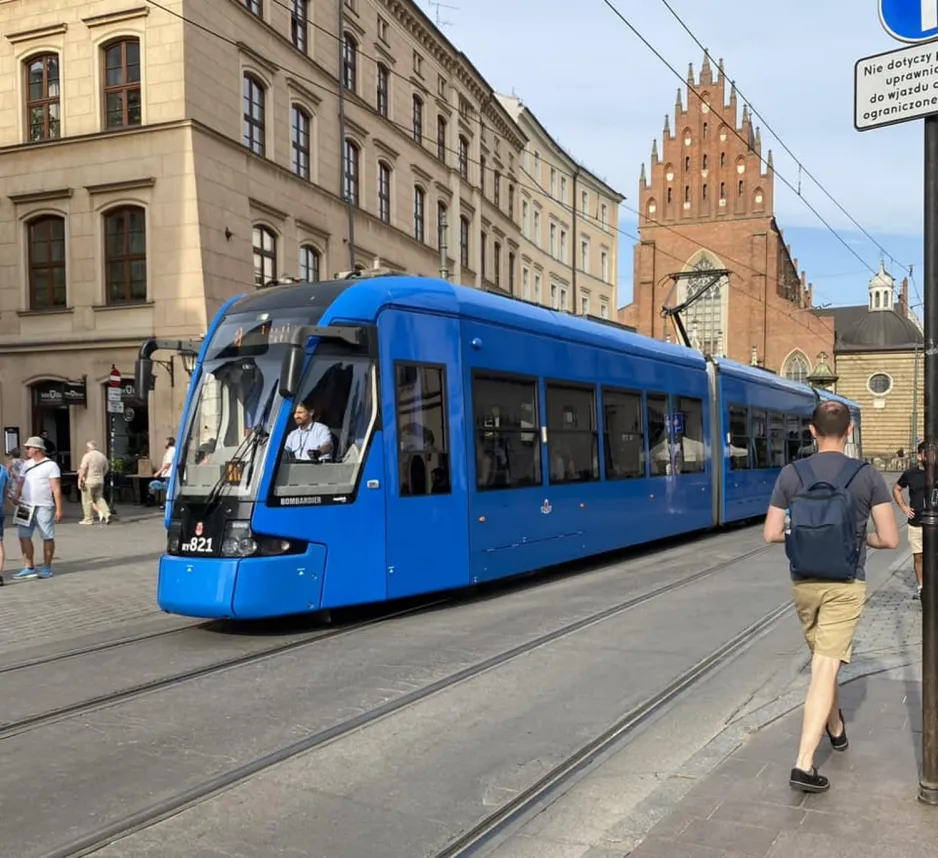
[(883, 331)]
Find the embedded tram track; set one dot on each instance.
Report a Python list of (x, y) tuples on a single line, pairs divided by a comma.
[(174, 804)]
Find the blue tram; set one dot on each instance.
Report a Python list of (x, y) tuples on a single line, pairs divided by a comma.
[(461, 437)]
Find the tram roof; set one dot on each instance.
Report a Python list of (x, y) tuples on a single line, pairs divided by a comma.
[(363, 297)]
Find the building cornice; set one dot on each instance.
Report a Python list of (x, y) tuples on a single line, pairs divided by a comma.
[(36, 33), (28, 197), (117, 17), (125, 185)]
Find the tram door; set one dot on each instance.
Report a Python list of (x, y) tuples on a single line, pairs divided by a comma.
[(424, 429)]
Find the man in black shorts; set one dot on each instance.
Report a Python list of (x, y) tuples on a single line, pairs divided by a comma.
[(914, 480)]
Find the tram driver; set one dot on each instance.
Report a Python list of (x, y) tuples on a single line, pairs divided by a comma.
[(311, 441)]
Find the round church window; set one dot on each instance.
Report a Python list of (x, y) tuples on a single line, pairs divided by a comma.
[(880, 383)]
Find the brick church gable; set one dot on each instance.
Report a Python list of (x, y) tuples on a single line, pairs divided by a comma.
[(707, 201)]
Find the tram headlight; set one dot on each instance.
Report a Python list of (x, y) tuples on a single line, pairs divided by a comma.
[(240, 541)]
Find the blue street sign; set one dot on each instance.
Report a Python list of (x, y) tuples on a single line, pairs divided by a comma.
[(910, 20)]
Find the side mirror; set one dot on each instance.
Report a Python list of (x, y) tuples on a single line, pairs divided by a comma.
[(291, 371), (143, 377)]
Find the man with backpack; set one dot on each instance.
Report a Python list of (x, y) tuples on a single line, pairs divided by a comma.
[(820, 509)]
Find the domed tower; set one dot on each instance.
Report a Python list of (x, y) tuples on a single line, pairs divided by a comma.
[(882, 290)]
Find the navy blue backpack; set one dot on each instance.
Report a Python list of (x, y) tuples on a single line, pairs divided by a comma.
[(823, 540)]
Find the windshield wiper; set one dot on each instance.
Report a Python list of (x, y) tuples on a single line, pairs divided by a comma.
[(246, 448)]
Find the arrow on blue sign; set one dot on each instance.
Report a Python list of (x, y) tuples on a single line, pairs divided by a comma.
[(910, 20)]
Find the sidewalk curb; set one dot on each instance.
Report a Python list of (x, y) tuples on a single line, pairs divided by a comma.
[(655, 807)]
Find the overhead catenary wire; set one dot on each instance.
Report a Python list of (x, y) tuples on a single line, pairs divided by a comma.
[(732, 128), (801, 167), (536, 189)]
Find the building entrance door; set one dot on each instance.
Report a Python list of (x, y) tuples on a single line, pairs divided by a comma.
[(51, 414)]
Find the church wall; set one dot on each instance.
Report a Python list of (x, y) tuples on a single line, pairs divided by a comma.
[(886, 420)]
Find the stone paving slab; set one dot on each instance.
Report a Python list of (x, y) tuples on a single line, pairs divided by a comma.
[(105, 580), (745, 807)]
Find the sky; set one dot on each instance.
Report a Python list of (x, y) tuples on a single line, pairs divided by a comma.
[(603, 95)]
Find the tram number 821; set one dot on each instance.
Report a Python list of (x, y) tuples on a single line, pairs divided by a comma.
[(198, 545)]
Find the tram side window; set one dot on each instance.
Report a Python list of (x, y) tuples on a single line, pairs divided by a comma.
[(422, 430), (760, 438), (808, 444), (572, 441), (777, 437), (739, 438), (624, 435), (687, 435), (793, 437), (508, 444), (658, 442)]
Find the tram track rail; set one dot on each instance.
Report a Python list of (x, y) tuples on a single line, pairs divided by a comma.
[(177, 803)]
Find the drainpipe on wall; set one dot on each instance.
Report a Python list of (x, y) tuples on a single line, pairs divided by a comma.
[(574, 249)]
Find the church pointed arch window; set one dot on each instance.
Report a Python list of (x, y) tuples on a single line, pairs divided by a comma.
[(705, 318), (796, 368)]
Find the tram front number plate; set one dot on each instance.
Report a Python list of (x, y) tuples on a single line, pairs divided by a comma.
[(198, 545)]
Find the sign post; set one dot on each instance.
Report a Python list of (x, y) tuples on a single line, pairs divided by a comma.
[(890, 88), (115, 406)]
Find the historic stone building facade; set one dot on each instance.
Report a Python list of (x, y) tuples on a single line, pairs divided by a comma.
[(706, 203), (881, 365), (569, 226), (154, 162)]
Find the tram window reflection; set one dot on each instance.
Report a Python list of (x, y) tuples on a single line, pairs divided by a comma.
[(760, 438), (572, 440), (338, 392), (658, 436), (624, 435), (422, 430), (508, 444), (739, 438)]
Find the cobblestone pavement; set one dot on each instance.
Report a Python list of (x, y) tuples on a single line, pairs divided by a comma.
[(105, 581)]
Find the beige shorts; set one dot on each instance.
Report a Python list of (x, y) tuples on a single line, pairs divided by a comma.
[(829, 612), (915, 540)]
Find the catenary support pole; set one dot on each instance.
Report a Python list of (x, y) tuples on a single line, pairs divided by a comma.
[(928, 783)]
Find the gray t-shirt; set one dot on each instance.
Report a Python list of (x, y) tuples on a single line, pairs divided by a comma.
[(868, 489)]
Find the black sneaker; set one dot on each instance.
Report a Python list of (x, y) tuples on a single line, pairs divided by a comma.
[(808, 781), (839, 743)]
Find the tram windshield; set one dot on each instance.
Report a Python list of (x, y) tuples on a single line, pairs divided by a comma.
[(235, 406), (333, 417)]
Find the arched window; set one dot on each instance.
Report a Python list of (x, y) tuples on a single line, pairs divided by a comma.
[(46, 247), (741, 187), (420, 197), (670, 194), (265, 255), (442, 228), (310, 260), (418, 120), (254, 121), (125, 255), (384, 191), (796, 367), (705, 319), (722, 190), (300, 149), (43, 116), (464, 241), (349, 62), (122, 84), (706, 160), (351, 156)]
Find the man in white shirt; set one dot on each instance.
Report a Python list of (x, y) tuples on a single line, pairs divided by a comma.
[(310, 441), (91, 473), (160, 481), (38, 505)]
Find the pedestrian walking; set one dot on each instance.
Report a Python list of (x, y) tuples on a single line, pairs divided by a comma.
[(820, 509), (91, 473), (913, 479), (6, 481), (38, 507)]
